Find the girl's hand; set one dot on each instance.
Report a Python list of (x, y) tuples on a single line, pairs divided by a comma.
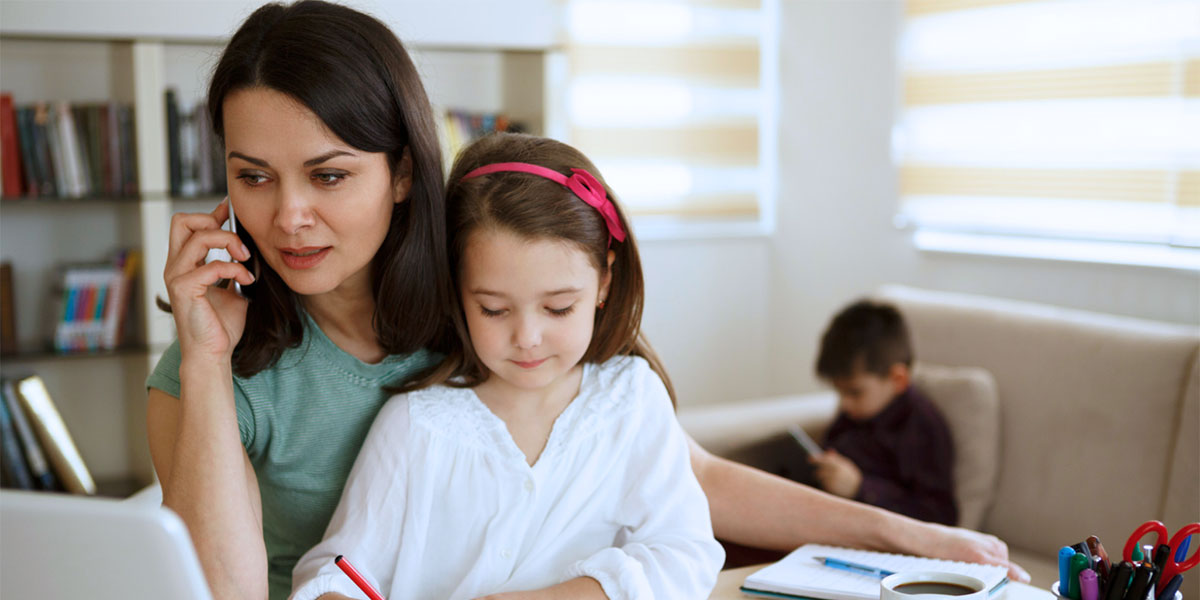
[(208, 319)]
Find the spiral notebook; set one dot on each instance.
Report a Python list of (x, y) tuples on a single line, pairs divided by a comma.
[(799, 575)]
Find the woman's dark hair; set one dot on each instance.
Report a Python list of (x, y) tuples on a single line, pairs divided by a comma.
[(536, 208), (865, 337), (352, 72)]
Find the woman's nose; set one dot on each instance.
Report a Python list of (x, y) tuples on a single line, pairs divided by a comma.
[(294, 210)]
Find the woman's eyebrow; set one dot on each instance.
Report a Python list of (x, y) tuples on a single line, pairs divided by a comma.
[(327, 156), (250, 159), (308, 163)]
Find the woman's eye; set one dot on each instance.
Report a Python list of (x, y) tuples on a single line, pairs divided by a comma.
[(329, 178), (252, 179)]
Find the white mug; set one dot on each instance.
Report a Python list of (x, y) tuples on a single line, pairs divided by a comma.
[(931, 585)]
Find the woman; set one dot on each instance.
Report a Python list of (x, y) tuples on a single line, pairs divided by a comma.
[(257, 412)]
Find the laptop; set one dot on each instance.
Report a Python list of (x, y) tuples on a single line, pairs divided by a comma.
[(62, 546)]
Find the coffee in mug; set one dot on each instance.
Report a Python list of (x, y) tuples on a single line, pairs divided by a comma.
[(931, 585)]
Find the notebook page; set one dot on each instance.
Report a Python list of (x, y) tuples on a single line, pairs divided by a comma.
[(801, 575)]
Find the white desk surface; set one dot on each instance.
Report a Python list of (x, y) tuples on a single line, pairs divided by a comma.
[(729, 582)]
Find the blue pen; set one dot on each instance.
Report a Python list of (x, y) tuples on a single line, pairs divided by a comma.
[(845, 565), (1181, 553)]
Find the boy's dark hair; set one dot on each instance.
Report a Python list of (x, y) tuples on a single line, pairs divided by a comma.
[(865, 337)]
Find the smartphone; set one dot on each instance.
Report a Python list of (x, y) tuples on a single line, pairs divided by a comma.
[(810, 446), (215, 254)]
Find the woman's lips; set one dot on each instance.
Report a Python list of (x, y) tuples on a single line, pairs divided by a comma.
[(529, 365), (304, 258)]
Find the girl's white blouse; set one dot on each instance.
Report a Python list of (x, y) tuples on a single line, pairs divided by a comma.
[(441, 503)]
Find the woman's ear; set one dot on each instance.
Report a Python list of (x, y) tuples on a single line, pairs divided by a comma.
[(403, 177), (606, 279)]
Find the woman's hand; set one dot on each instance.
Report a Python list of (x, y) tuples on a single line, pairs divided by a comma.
[(208, 319), (956, 543)]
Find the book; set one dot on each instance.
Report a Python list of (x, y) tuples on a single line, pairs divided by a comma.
[(86, 287), (800, 575), (8, 310), (13, 468), (33, 179), (11, 172), (39, 468), (55, 438), (116, 313), (42, 151)]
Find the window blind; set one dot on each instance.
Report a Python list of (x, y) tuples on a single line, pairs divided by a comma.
[(1067, 119), (667, 98)]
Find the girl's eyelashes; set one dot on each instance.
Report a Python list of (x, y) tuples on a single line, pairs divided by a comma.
[(557, 312), (561, 312)]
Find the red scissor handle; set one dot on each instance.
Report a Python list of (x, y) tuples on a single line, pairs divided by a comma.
[(1176, 540), (1156, 527)]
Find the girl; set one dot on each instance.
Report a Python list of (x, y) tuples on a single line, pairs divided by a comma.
[(550, 462)]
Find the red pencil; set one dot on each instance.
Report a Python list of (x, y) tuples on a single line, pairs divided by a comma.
[(358, 579)]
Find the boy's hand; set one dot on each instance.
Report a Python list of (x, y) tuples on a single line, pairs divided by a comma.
[(837, 474)]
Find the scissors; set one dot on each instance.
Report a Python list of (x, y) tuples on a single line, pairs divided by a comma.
[(1173, 565)]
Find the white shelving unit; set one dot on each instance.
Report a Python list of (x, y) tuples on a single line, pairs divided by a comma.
[(471, 55)]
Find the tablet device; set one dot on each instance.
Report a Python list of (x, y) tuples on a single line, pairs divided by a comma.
[(67, 546), (810, 446)]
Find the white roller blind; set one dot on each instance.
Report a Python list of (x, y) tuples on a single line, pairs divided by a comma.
[(667, 98), (1067, 119)]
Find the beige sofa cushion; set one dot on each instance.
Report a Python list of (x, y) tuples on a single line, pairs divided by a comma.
[(968, 400), (1089, 408)]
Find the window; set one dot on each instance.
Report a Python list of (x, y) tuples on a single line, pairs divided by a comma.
[(675, 103), (1067, 124)]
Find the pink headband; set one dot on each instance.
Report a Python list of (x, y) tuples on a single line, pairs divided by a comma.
[(582, 183)]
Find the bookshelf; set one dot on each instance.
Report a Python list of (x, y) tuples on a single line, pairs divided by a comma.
[(471, 58)]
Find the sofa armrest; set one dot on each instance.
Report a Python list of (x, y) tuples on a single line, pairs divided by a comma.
[(724, 429)]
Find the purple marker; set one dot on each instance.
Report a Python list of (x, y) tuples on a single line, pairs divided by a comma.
[(1089, 587)]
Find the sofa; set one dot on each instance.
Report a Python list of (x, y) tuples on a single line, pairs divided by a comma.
[(1066, 423)]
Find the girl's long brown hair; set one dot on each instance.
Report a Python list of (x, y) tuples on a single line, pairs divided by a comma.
[(533, 207)]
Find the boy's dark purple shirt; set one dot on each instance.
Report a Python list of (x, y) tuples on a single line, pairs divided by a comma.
[(906, 456)]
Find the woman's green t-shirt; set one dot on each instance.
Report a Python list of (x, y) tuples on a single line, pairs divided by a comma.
[(302, 422)]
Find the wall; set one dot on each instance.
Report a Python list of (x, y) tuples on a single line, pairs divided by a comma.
[(707, 307), (835, 237)]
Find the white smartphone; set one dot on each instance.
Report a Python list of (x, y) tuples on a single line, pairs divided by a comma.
[(221, 253), (810, 446)]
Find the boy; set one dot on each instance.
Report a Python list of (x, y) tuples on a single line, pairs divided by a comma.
[(889, 445)]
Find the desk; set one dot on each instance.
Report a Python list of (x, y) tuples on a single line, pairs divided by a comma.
[(729, 581)]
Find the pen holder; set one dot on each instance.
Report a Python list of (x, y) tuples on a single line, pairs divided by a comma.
[(1149, 593)]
